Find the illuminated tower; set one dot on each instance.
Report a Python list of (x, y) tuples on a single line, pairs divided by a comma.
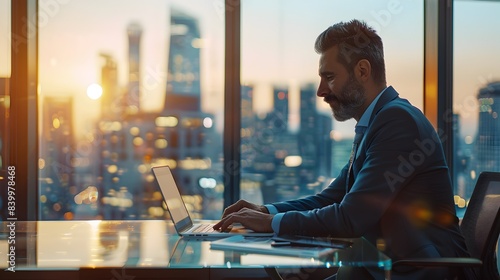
[(183, 80), (110, 100), (132, 100), (487, 144)]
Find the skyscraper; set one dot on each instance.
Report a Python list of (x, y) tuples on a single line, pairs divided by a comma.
[(308, 127), (487, 144), (248, 149), (461, 160), (181, 136), (110, 100), (183, 81), (132, 100), (314, 138), (281, 103)]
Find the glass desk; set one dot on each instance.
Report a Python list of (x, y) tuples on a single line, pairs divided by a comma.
[(126, 250)]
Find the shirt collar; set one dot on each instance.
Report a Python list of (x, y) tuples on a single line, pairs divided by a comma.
[(365, 118)]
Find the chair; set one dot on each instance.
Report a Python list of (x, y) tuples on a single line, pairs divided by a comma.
[(480, 227)]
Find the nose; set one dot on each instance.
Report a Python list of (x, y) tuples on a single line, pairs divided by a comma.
[(322, 89)]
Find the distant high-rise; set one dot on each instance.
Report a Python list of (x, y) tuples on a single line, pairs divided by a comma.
[(111, 105), (184, 140), (281, 103), (247, 113), (314, 139), (487, 144), (183, 80), (132, 100), (248, 149), (308, 127)]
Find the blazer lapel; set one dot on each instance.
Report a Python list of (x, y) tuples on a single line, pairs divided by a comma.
[(389, 94)]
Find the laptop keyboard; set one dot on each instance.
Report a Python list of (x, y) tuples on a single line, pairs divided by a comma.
[(204, 228)]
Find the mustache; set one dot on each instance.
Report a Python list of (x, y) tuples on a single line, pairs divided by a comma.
[(329, 98)]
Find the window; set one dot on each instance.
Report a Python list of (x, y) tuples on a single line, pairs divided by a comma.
[(126, 85), (476, 94), (290, 144), (5, 53), (122, 90)]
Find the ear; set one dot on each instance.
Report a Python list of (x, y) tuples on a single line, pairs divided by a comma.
[(363, 70)]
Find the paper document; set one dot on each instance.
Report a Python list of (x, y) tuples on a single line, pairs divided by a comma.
[(315, 241), (267, 245)]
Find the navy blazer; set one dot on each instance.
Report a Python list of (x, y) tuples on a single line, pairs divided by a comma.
[(401, 194)]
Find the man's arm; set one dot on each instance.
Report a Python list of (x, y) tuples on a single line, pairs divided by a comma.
[(257, 217)]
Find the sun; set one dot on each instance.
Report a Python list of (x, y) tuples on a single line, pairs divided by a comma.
[(94, 91)]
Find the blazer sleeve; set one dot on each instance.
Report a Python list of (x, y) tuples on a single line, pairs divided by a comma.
[(390, 157)]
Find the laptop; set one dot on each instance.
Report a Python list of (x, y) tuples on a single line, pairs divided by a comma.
[(183, 223)]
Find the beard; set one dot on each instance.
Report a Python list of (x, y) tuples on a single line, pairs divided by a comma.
[(349, 100)]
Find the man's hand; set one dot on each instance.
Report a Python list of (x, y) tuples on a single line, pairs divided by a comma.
[(240, 204), (250, 218)]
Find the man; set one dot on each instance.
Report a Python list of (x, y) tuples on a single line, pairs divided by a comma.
[(396, 189)]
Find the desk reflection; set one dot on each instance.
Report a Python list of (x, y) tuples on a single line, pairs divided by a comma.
[(151, 244)]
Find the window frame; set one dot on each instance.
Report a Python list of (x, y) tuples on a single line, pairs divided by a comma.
[(438, 71), (232, 103), (23, 128), (23, 138)]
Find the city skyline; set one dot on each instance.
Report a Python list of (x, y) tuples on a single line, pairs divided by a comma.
[(399, 23), (130, 141)]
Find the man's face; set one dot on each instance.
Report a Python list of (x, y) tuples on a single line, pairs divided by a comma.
[(339, 88)]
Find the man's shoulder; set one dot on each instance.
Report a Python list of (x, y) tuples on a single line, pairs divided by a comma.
[(401, 107), (400, 113)]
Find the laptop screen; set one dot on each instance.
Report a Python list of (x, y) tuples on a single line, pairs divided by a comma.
[(172, 197)]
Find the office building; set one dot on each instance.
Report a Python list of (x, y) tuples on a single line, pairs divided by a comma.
[(487, 142), (183, 81), (247, 128), (281, 100), (182, 137), (462, 182), (314, 137), (110, 99), (133, 96)]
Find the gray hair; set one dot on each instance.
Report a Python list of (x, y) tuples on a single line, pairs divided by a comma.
[(356, 41)]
